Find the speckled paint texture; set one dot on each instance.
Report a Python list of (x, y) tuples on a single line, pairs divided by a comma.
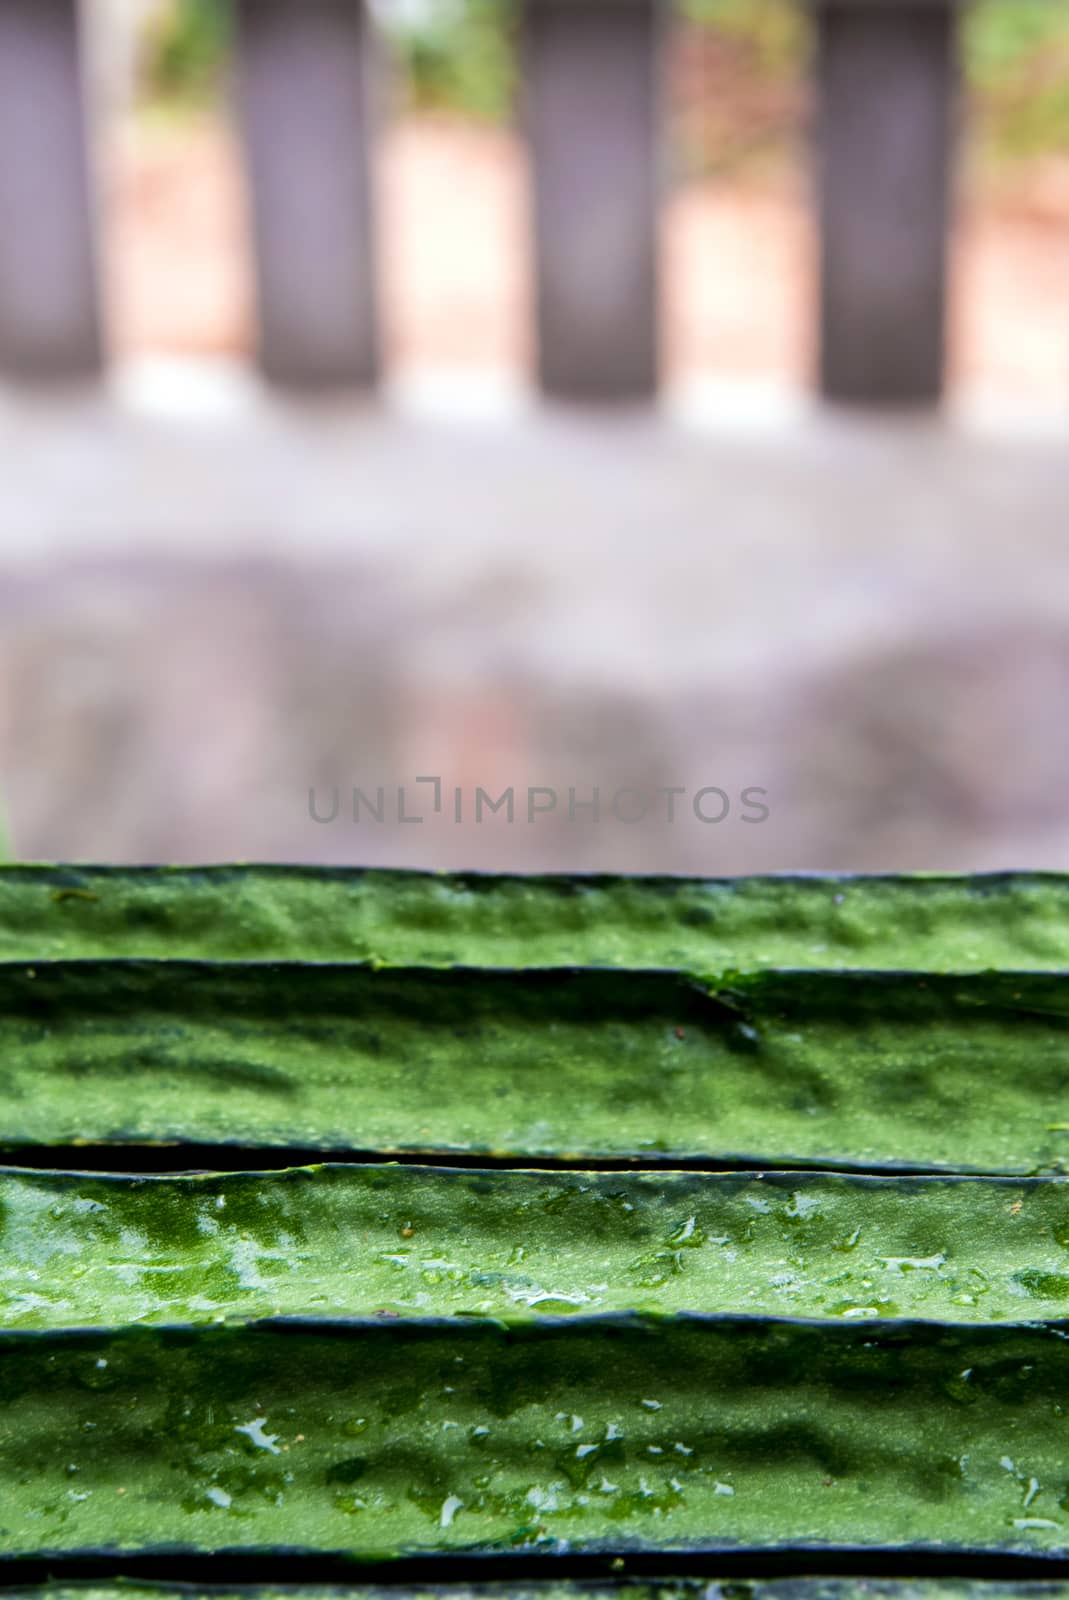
[(840, 1069), (594, 1433), (99, 1251), (265, 913)]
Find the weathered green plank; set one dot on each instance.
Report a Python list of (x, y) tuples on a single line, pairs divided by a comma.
[(79, 1250), (590, 1434), (1014, 920), (841, 1069)]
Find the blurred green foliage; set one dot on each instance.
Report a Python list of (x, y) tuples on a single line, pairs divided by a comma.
[(1017, 66), (771, 33), (186, 51), (459, 56)]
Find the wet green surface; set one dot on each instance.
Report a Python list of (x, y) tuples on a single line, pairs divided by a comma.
[(408, 918), (819, 1069), (537, 1362), (103, 1251), (588, 1434)]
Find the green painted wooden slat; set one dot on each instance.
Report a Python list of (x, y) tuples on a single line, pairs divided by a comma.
[(80, 1250), (957, 924), (860, 1070), (378, 1440)]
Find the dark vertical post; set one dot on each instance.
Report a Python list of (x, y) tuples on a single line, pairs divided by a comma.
[(49, 314), (887, 81), (591, 82), (303, 84)]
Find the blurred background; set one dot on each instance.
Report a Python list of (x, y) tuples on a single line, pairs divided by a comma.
[(249, 554)]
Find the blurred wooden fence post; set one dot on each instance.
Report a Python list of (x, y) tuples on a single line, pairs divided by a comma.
[(591, 81), (303, 75), (49, 314), (887, 79)]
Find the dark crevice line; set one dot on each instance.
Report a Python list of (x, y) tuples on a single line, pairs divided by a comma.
[(139, 1159), (271, 1571)]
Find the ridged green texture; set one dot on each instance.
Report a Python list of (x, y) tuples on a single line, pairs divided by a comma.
[(79, 1251), (532, 1361), (589, 1434), (227, 913), (841, 1069)]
